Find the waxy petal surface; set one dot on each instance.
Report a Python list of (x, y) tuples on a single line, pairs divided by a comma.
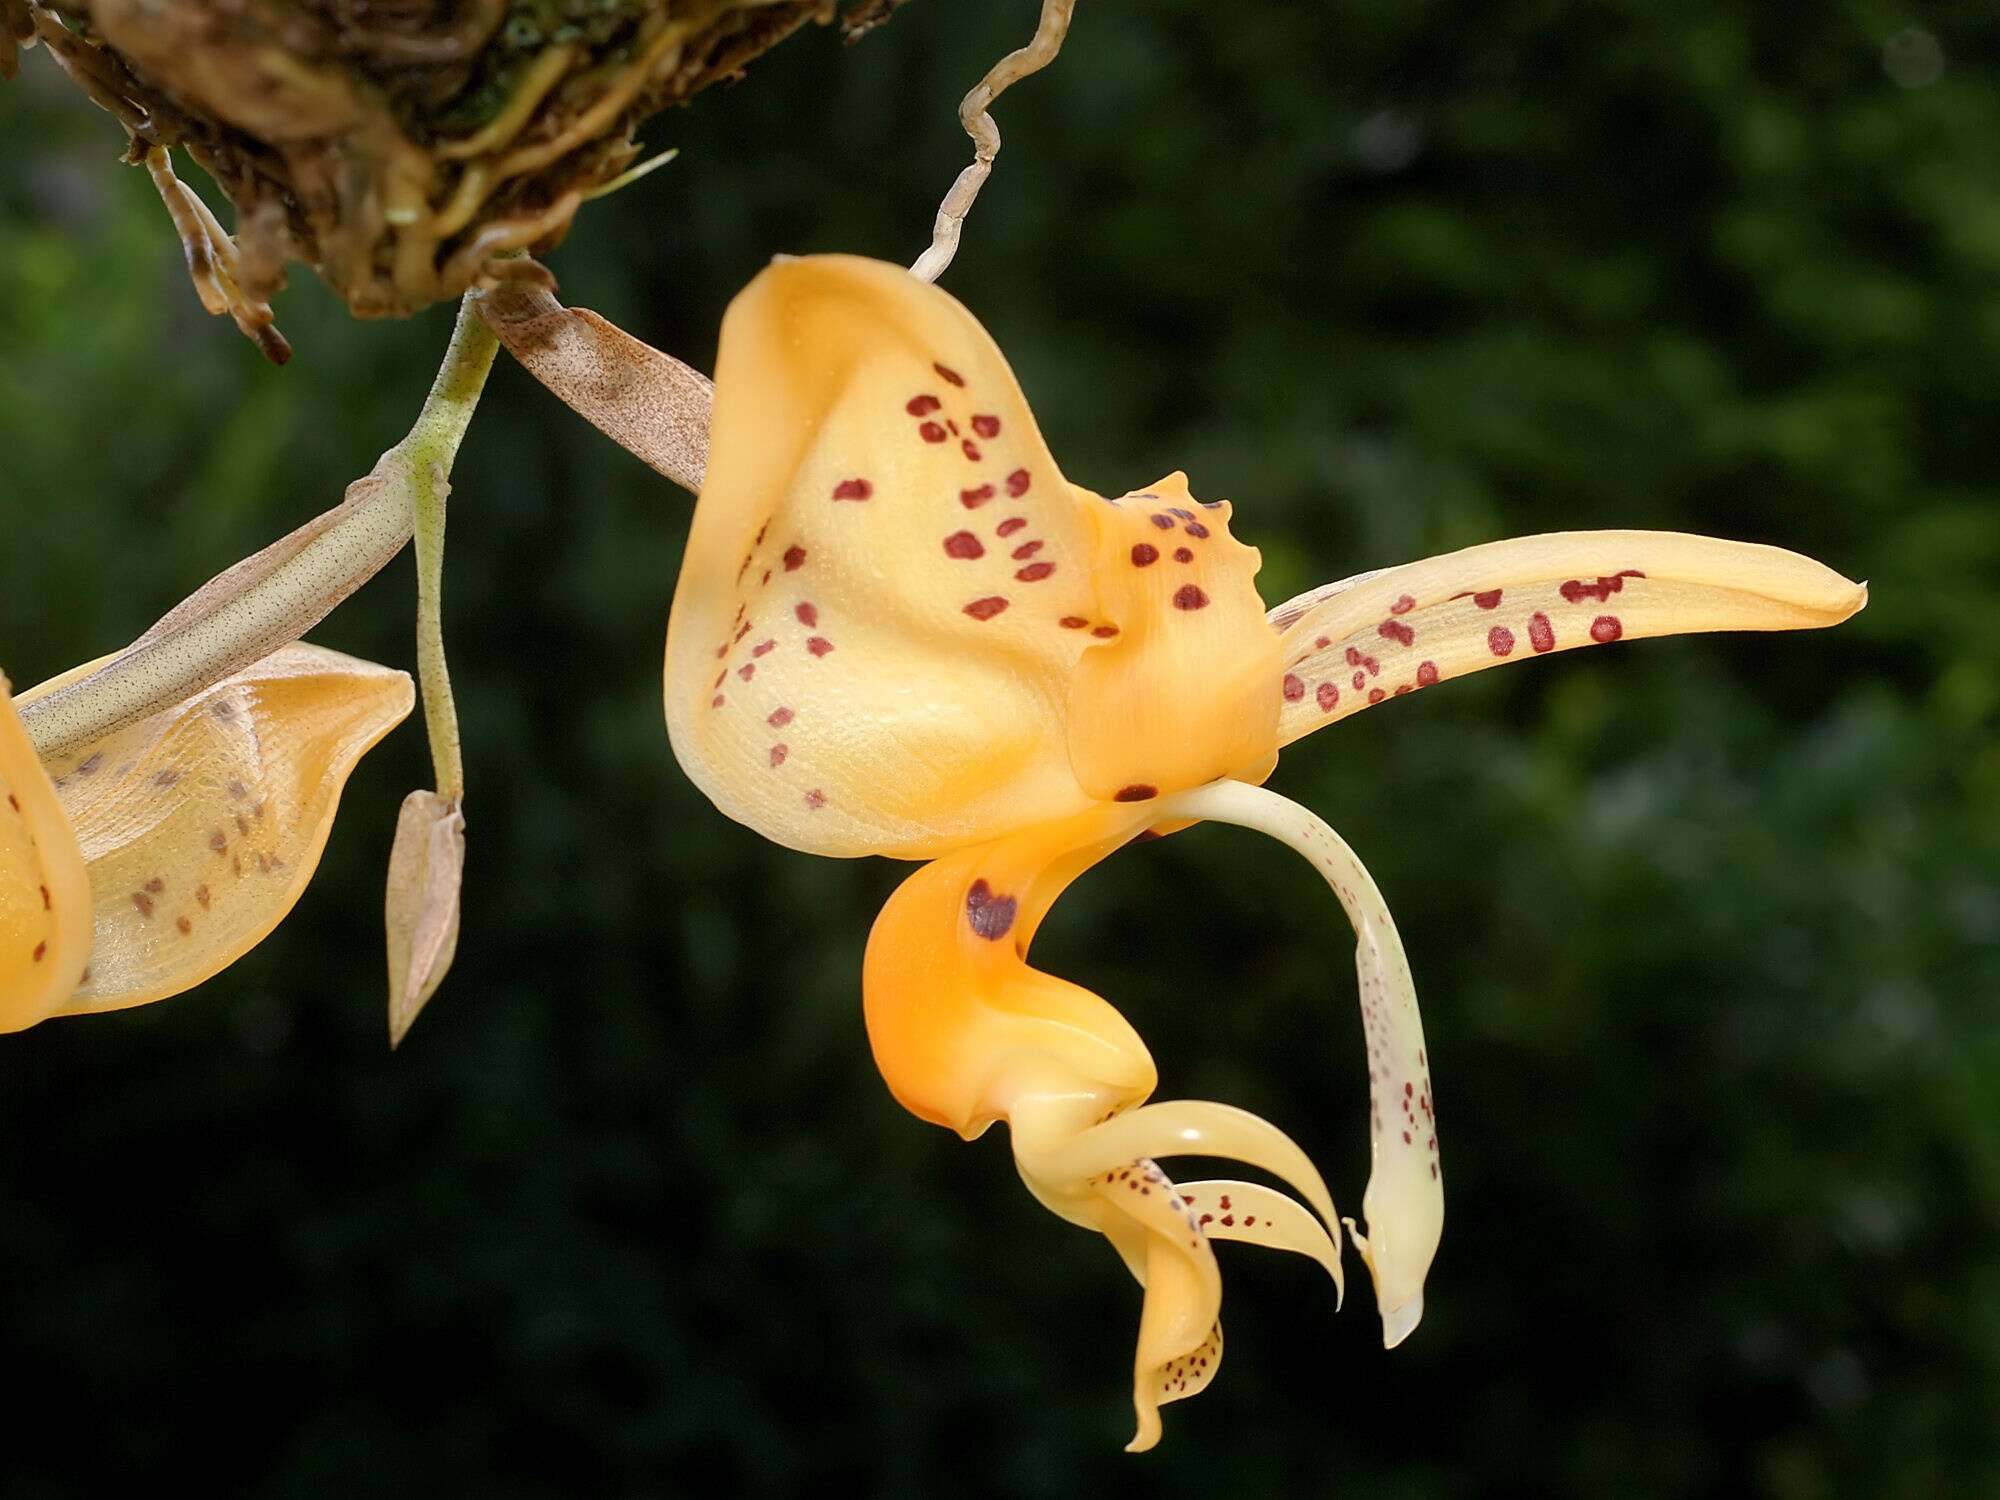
[(199, 826), (44, 892), (1386, 634)]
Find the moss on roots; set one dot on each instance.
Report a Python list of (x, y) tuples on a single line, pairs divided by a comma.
[(404, 149)]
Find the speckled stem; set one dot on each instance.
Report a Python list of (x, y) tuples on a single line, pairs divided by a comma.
[(275, 596)]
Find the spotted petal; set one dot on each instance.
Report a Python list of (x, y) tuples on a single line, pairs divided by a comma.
[(44, 893), (870, 644), (1384, 634), (199, 826)]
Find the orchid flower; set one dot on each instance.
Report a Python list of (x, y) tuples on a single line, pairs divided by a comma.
[(135, 864), (900, 631)]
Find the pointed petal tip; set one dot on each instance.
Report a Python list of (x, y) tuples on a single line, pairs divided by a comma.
[(1398, 1323)]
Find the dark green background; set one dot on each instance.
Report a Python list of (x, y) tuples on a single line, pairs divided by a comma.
[(1708, 930)]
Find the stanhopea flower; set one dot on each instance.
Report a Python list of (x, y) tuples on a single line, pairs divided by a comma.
[(139, 863), (900, 631)]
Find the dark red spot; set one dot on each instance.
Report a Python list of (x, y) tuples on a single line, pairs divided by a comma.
[(1011, 525), (806, 613), (1328, 694), (945, 373), (1138, 791), (815, 799), (1295, 688), (1353, 656), (1144, 554), (1105, 632), (1165, 523), (144, 902), (763, 648), (1397, 631), (986, 427), (793, 557), (1360, 681), (1035, 572), (765, 579), (747, 671), (1427, 674), (970, 449), (1376, 695), (988, 915), (1190, 596), (742, 630), (931, 432), (778, 754), (779, 718), (1406, 1138), (717, 701), (45, 898), (1027, 549), (40, 949), (1606, 628), (973, 499), (1541, 634), (1017, 483), (964, 545), (1402, 688), (1322, 643), (1500, 640), (1488, 600), (13, 802), (819, 645), (922, 406), (1072, 622), (853, 489), (1403, 605), (1182, 554), (987, 608)]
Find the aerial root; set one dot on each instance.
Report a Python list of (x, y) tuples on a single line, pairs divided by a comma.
[(212, 262)]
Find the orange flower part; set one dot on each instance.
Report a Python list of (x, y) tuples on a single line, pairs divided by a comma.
[(900, 631)]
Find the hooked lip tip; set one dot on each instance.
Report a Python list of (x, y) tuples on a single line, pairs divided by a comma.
[(1399, 1322)]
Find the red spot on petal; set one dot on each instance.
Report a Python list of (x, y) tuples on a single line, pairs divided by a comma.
[(1182, 554), (1144, 554), (973, 499), (1500, 640), (1397, 631), (987, 914), (1072, 622), (1376, 695), (1295, 688), (1403, 605), (1360, 681), (815, 799), (945, 373), (1328, 694), (793, 557), (1401, 688), (716, 701), (778, 754), (779, 718), (1606, 628), (1541, 634), (853, 489), (1138, 791), (1035, 572), (922, 406), (1488, 600), (747, 671), (931, 432), (806, 613), (987, 608), (1190, 596), (986, 427), (819, 645), (964, 545), (1017, 483), (1427, 674), (1105, 632), (1027, 549), (970, 449), (763, 648), (1011, 525)]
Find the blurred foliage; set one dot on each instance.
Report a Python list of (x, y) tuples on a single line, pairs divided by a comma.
[(1708, 929)]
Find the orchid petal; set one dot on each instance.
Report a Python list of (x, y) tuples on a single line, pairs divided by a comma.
[(44, 892), (1385, 634), (1404, 1203), (200, 825), (869, 649)]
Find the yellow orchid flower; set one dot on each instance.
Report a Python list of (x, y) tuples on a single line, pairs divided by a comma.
[(137, 863), (900, 631)]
